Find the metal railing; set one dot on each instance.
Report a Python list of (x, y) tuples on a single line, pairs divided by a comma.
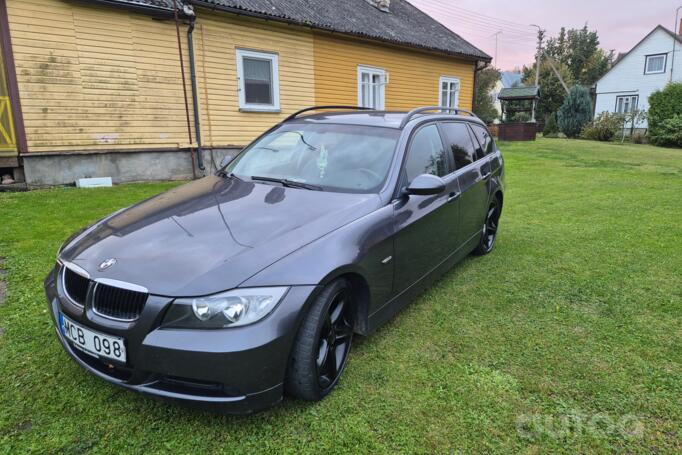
[(318, 108), (443, 109), (408, 116)]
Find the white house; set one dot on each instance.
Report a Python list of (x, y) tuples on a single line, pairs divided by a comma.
[(649, 66), (507, 79)]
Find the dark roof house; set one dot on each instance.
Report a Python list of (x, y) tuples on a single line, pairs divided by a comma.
[(402, 24), (128, 84)]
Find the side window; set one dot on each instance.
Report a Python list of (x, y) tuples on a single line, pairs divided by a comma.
[(371, 87), (484, 138), (459, 142), (426, 154), (258, 76)]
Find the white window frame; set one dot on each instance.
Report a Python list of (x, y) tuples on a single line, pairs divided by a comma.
[(373, 71), (274, 64), (634, 101), (646, 63), (449, 80)]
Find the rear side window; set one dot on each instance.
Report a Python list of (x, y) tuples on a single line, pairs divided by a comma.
[(484, 138), (459, 143), (426, 154)]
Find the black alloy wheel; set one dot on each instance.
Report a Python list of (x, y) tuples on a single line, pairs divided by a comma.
[(489, 234), (335, 339), (322, 344)]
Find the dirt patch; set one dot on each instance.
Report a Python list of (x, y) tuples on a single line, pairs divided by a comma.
[(25, 426)]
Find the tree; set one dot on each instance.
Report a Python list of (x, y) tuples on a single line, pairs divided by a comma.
[(579, 50), (552, 93), (484, 107), (665, 112), (551, 127), (576, 112)]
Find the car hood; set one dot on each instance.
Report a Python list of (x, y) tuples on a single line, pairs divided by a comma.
[(211, 234)]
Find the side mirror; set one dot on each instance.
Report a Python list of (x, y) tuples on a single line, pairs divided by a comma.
[(226, 160), (426, 185)]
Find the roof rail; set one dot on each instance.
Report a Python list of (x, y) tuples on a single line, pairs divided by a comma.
[(419, 110), (316, 108)]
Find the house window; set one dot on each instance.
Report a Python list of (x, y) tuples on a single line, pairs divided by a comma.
[(258, 76), (371, 83), (655, 64), (626, 104), (449, 91)]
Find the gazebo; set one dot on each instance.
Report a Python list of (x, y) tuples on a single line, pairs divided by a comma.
[(512, 100)]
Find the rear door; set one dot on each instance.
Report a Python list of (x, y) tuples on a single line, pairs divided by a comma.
[(472, 171), (487, 147), (426, 226)]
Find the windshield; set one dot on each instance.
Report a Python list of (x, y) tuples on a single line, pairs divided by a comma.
[(345, 158)]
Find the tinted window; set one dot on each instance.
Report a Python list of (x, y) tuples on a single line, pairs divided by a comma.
[(459, 141), (484, 138), (426, 155)]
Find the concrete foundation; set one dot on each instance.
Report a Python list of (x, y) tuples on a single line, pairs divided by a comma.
[(64, 168)]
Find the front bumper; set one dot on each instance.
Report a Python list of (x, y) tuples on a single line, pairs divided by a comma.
[(238, 370)]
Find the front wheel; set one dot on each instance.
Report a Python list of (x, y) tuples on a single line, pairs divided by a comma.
[(322, 344), (489, 233)]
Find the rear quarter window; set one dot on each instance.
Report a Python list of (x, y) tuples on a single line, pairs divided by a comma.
[(484, 138)]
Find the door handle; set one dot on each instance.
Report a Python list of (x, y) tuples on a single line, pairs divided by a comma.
[(485, 176), (453, 196)]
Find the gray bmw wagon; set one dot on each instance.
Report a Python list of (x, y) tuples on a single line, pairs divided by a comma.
[(233, 290)]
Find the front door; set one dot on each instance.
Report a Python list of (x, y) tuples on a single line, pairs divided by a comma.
[(473, 172), (425, 226)]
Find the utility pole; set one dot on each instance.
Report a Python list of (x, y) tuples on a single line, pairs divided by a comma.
[(677, 28), (541, 36), (496, 35), (538, 56)]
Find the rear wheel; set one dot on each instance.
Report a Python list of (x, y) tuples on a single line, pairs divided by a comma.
[(489, 234), (322, 344)]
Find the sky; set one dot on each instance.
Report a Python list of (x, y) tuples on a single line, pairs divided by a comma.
[(620, 23)]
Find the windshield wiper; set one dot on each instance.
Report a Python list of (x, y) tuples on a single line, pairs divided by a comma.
[(288, 183)]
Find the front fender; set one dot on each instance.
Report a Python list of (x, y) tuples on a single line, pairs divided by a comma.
[(363, 247)]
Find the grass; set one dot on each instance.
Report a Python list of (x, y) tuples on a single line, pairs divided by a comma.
[(567, 338)]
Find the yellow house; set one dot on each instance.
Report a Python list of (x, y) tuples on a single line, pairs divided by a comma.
[(157, 89)]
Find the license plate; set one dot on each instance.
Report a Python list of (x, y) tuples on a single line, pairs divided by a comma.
[(94, 343)]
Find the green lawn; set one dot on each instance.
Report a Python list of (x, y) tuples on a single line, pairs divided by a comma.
[(566, 338)]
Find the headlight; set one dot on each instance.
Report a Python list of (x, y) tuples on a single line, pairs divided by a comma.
[(229, 309)]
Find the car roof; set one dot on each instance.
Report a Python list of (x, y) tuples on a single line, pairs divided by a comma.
[(386, 119)]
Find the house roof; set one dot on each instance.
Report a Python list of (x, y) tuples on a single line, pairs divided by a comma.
[(519, 93), (403, 24), (510, 78), (623, 55)]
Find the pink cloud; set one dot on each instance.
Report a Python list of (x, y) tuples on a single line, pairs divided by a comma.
[(620, 23)]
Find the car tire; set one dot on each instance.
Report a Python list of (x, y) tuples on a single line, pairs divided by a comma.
[(322, 344), (490, 227)]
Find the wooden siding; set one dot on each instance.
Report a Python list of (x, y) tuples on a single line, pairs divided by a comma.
[(217, 38), (94, 77), (413, 75)]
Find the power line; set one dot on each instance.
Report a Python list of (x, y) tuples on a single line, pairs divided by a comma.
[(475, 28), (479, 19)]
